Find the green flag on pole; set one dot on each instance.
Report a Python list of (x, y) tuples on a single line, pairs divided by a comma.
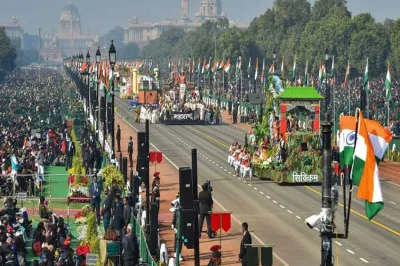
[(333, 70), (294, 69), (366, 79), (306, 75), (388, 85)]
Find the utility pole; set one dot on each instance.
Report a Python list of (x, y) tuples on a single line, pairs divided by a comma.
[(196, 209), (147, 177), (326, 211)]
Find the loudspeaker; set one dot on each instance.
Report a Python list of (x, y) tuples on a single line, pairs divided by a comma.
[(185, 188), (252, 254), (142, 162), (142, 167), (102, 109), (187, 227), (141, 144), (153, 217), (125, 168), (109, 118)]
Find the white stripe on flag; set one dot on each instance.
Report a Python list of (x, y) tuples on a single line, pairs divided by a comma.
[(361, 150)]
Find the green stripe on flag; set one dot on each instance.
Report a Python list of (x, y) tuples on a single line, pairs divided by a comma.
[(358, 169), (371, 209), (346, 156)]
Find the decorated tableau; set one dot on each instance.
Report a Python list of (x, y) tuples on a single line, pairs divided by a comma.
[(285, 146)]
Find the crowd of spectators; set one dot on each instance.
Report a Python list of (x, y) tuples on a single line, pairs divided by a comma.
[(32, 135)]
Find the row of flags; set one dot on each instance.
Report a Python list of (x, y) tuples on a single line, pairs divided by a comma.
[(362, 145), (204, 67)]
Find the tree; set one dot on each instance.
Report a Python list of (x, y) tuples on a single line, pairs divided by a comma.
[(131, 51), (395, 47), (322, 8), (164, 45), (116, 34), (332, 33), (7, 54), (368, 40)]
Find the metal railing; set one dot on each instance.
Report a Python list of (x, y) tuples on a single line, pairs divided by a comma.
[(144, 251)]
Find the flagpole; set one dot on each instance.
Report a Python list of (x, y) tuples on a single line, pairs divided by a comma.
[(388, 109), (223, 80), (334, 110), (241, 84), (349, 89)]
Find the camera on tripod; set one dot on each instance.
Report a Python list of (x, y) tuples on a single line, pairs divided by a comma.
[(208, 185)]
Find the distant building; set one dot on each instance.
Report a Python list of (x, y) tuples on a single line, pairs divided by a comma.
[(70, 40), (15, 33), (142, 33)]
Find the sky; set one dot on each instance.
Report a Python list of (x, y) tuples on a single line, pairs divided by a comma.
[(99, 16)]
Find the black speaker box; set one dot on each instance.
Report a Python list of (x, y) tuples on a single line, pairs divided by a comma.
[(185, 188), (102, 109), (125, 168), (187, 227), (109, 118), (141, 146)]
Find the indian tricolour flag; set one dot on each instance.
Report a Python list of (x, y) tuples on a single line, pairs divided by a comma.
[(227, 66), (346, 140), (365, 173), (380, 139)]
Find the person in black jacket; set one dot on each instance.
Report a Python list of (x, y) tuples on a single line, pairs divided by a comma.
[(127, 213), (118, 215), (91, 159), (206, 204), (118, 137), (106, 210), (130, 151), (246, 240)]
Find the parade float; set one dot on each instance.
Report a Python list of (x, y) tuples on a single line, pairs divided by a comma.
[(287, 146), (180, 92)]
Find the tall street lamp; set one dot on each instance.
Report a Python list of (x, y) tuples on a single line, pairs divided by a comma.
[(209, 70), (327, 91), (327, 190), (79, 73), (98, 59), (273, 61), (88, 99), (112, 53)]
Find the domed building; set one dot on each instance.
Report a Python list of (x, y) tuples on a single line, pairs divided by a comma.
[(142, 33), (70, 40)]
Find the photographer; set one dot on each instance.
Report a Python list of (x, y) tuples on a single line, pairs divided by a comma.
[(206, 204)]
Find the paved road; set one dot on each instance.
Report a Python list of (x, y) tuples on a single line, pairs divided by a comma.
[(276, 213)]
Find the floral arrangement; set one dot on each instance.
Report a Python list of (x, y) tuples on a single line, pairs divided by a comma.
[(81, 221), (393, 155), (82, 250), (71, 180), (112, 176), (78, 191)]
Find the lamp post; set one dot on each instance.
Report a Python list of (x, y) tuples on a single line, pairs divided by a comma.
[(273, 61), (327, 91), (112, 53), (190, 68), (169, 66), (327, 212), (81, 80), (98, 59), (88, 99), (209, 71)]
